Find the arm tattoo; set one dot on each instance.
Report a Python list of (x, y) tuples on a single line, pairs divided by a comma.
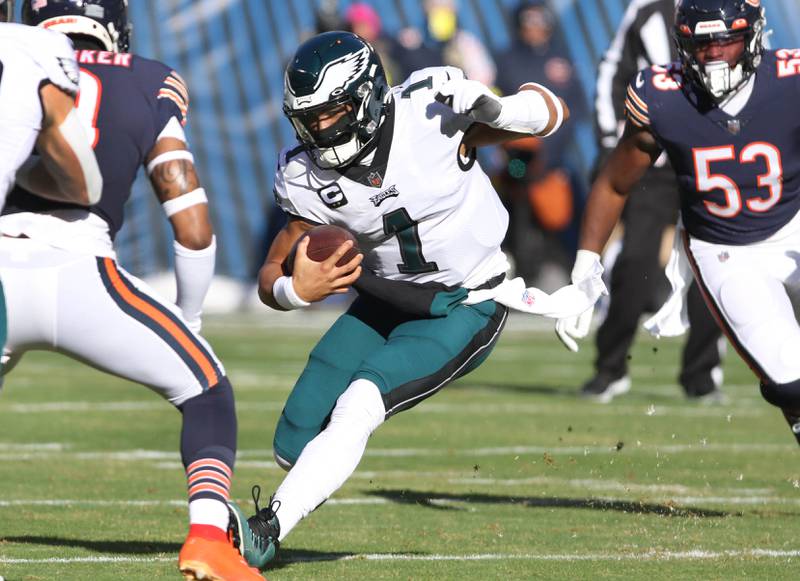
[(174, 178)]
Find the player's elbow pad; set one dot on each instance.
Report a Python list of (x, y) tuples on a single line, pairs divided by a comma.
[(73, 132), (536, 111)]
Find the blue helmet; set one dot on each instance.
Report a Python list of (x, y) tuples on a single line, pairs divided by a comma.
[(6, 10), (703, 21), (105, 21)]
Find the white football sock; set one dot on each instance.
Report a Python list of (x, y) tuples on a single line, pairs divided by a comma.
[(328, 460), (207, 511)]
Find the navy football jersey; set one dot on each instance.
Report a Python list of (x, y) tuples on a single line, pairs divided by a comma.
[(739, 176), (127, 100)]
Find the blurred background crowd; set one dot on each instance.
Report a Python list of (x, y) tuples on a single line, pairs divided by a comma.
[(232, 54)]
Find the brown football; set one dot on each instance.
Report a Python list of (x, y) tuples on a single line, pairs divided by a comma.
[(323, 241)]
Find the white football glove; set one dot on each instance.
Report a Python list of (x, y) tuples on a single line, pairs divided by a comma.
[(471, 98), (587, 271)]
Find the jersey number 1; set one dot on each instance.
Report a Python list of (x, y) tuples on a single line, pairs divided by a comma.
[(401, 225)]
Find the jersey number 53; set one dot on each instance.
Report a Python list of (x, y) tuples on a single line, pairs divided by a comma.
[(707, 181)]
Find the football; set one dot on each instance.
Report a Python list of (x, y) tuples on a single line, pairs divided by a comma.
[(323, 241)]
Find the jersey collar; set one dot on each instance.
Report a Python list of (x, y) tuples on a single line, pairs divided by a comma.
[(371, 174)]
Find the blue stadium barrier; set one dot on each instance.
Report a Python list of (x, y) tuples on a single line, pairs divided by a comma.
[(232, 54)]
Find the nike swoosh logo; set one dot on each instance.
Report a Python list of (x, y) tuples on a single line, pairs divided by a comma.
[(639, 80)]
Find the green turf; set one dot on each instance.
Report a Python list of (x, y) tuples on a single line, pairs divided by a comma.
[(504, 475)]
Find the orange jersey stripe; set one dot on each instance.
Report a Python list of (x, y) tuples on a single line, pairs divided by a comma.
[(180, 78), (635, 115), (158, 317), (207, 462), (175, 97), (179, 87), (638, 100)]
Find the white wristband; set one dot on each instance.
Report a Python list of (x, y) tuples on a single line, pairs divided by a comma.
[(527, 111), (559, 107), (284, 294), (175, 205)]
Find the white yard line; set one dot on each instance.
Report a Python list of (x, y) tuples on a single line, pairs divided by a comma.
[(11, 454), (651, 555), (430, 407), (749, 500)]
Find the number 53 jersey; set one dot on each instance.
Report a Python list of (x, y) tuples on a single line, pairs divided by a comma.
[(739, 175), (420, 209)]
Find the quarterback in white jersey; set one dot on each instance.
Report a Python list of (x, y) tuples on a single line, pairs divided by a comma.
[(397, 168), (424, 192)]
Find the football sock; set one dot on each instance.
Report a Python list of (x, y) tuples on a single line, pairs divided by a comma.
[(328, 460), (208, 450)]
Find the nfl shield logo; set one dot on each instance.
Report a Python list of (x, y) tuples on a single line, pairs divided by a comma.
[(723, 256), (375, 179), (734, 126)]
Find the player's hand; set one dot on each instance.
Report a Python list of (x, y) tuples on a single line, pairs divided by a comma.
[(573, 328), (586, 274), (195, 324), (471, 98), (314, 281)]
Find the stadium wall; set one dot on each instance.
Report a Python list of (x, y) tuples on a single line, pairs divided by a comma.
[(232, 53)]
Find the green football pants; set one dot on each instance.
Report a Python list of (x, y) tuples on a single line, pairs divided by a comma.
[(408, 359)]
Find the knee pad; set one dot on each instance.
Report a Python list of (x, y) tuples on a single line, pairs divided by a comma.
[(289, 441), (360, 405), (782, 395)]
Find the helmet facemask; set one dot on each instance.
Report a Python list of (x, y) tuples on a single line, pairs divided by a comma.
[(719, 78), (337, 117)]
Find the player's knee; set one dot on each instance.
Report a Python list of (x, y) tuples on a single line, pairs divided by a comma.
[(360, 405), (281, 461), (290, 439), (782, 395)]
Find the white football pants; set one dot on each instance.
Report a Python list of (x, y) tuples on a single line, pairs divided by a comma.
[(754, 289), (89, 308)]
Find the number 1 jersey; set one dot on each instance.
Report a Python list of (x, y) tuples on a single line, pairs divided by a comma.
[(421, 210)]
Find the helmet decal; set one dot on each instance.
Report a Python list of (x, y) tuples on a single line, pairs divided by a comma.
[(700, 22), (334, 92), (105, 21)]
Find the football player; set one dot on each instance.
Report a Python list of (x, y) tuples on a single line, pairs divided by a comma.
[(38, 84), (396, 166), (134, 110), (726, 117)]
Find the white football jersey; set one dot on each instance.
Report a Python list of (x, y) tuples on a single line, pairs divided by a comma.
[(29, 57), (420, 210)]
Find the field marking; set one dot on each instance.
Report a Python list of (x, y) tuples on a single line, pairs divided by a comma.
[(538, 409), (748, 500), (650, 555), (657, 449), (144, 503)]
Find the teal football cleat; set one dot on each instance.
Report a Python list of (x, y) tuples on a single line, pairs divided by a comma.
[(256, 537)]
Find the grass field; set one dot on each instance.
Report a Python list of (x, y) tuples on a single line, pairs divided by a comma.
[(503, 475)]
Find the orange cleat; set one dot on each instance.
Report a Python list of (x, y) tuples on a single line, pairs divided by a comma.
[(208, 556)]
